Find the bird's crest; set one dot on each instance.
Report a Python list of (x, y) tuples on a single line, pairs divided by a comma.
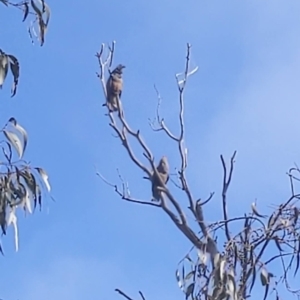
[(118, 69)]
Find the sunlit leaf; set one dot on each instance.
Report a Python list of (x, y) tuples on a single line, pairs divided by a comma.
[(180, 284), (232, 287), (264, 277), (222, 268), (284, 222), (255, 211), (44, 177), (202, 255), (22, 131), (3, 67), (12, 219), (27, 203), (15, 141)]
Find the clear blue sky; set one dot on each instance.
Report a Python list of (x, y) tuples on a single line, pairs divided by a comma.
[(245, 97)]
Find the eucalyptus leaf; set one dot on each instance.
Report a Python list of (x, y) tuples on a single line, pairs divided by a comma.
[(15, 70), (35, 8), (44, 176), (297, 257), (42, 30), (189, 275), (189, 290), (255, 211), (21, 130), (26, 11), (27, 203), (264, 277), (38, 190), (12, 219), (47, 13), (4, 62), (30, 181), (4, 2), (15, 142), (180, 284), (231, 287), (3, 215)]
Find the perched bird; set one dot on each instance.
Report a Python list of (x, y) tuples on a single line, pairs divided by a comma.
[(114, 87), (163, 171)]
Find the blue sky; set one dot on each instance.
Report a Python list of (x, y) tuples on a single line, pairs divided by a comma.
[(245, 97)]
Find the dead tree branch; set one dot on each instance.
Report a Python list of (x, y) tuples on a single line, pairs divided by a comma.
[(127, 297), (233, 270)]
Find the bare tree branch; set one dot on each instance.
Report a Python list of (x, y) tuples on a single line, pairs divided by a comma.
[(240, 263), (226, 183), (127, 297)]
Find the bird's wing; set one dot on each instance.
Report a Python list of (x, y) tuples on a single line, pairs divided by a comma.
[(116, 85)]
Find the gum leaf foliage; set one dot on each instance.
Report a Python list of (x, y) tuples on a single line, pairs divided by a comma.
[(21, 186)]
